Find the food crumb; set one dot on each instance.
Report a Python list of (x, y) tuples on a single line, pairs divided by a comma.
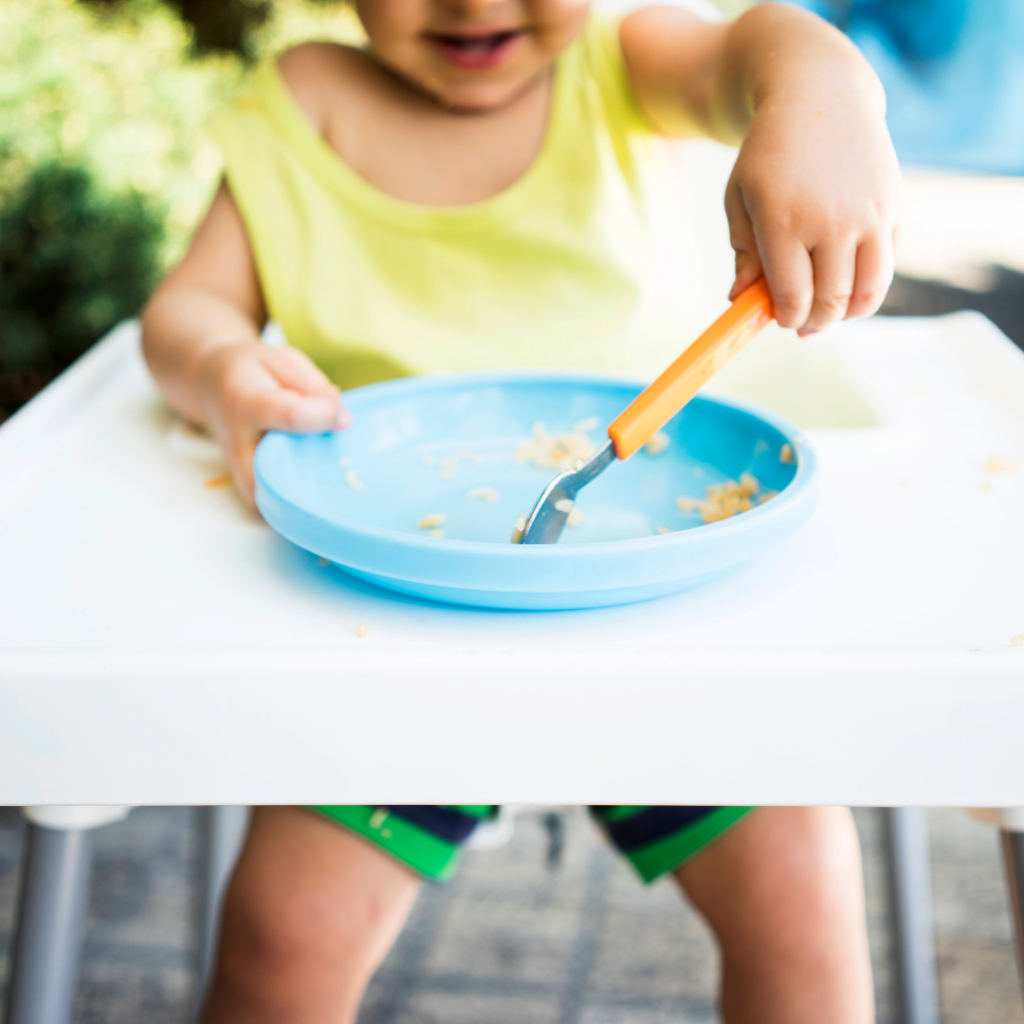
[(786, 453), (447, 469), (361, 630), (564, 505), (575, 518), (1017, 641), (432, 519), (658, 443), (663, 530), (436, 534), (519, 530), (986, 487), (344, 462), (218, 481), (724, 500), (998, 464), (483, 494), (352, 479), (427, 459), (323, 562), (378, 818), (561, 451)]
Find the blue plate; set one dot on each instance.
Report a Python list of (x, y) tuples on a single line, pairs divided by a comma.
[(419, 445)]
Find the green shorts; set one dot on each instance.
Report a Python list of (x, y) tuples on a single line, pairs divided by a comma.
[(429, 839)]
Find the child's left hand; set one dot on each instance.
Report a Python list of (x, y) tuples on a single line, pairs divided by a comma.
[(812, 203)]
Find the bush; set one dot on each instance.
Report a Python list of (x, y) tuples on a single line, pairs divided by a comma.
[(74, 261)]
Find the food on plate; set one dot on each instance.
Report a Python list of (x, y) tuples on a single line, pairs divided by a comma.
[(352, 479), (432, 520), (786, 454), (483, 494), (724, 500), (361, 630), (575, 518), (558, 451), (658, 443)]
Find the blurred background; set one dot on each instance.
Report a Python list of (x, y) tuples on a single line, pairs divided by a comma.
[(104, 172)]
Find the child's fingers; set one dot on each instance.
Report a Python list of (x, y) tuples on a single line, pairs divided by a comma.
[(282, 409), (295, 370), (874, 275), (790, 276), (239, 450), (743, 241), (834, 267)]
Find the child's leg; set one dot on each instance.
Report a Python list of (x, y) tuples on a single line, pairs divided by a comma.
[(310, 913), (783, 892)]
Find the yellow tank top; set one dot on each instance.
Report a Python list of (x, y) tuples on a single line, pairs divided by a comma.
[(583, 263)]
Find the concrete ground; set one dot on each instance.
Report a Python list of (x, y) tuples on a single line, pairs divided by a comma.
[(513, 940)]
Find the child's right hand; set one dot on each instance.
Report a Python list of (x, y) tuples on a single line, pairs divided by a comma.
[(246, 389)]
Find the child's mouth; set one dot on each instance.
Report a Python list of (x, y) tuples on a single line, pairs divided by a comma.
[(475, 51)]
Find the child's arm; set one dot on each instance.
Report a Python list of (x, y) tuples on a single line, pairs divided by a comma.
[(813, 199), (200, 335)]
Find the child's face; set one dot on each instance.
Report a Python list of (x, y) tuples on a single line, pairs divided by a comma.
[(471, 54)]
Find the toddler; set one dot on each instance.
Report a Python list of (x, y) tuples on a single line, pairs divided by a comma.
[(483, 186)]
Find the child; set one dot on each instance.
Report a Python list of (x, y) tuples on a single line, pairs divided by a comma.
[(481, 187)]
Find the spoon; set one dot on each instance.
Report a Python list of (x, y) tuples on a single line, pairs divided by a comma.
[(749, 313)]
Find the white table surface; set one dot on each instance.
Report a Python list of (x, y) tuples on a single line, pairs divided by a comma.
[(160, 644)]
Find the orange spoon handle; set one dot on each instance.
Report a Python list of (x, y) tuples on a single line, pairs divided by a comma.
[(657, 404)]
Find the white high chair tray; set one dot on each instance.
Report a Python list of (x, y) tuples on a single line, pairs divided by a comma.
[(160, 644)]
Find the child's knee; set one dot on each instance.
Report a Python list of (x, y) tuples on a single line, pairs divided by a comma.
[(797, 869)]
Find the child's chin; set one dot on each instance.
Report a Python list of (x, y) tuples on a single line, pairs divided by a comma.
[(477, 97)]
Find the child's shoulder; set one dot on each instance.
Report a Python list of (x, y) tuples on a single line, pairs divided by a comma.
[(324, 77)]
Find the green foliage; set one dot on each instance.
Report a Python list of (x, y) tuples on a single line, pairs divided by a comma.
[(73, 263), (104, 168)]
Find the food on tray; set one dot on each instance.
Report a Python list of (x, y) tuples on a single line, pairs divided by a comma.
[(724, 500), (559, 451), (431, 520), (352, 479), (786, 454), (657, 444), (483, 494), (998, 464), (221, 480)]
